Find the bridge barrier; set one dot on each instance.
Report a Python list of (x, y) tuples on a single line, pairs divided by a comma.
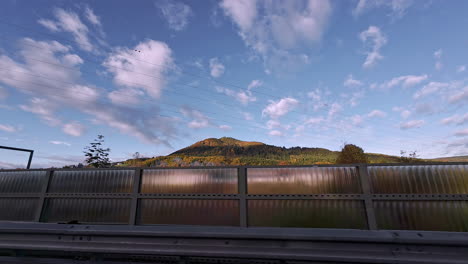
[(432, 197)]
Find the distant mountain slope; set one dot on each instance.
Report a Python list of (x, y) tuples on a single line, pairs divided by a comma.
[(229, 151), (451, 159)]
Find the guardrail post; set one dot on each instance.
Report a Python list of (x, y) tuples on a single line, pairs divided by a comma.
[(366, 190), (45, 186), (242, 187), (135, 193)]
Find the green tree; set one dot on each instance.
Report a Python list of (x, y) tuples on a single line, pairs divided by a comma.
[(96, 155), (351, 154)]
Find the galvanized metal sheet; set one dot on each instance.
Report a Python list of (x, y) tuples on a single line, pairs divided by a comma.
[(87, 210), (18, 209), (189, 212), (422, 215), (307, 213), (92, 181), (190, 181), (444, 179), (311, 180), (21, 181)]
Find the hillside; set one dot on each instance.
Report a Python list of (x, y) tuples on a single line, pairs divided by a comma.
[(230, 151), (451, 159)]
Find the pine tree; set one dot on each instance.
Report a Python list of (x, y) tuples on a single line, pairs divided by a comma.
[(96, 155)]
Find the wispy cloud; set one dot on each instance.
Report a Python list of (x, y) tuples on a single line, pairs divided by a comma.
[(8, 128), (375, 39), (351, 82), (57, 142), (216, 68), (412, 124), (175, 13)]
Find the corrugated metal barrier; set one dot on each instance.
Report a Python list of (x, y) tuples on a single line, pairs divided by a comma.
[(397, 197)]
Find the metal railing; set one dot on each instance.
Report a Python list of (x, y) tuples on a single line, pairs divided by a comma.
[(361, 196)]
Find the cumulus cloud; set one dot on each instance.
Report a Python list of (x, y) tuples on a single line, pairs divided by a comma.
[(8, 128), (455, 119), (254, 84), (244, 97), (64, 89), (377, 113), (404, 81), (274, 29), (145, 70), (351, 82), (247, 116), (429, 88), (68, 21), (334, 109), (412, 124), (438, 57), (405, 113), (375, 40), (225, 127), (461, 133), (398, 8), (276, 133), (74, 129), (199, 120), (57, 142), (176, 13), (216, 68), (357, 120), (459, 96), (125, 96), (461, 68), (280, 108)]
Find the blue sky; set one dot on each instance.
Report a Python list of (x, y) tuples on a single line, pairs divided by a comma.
[(156, 76)]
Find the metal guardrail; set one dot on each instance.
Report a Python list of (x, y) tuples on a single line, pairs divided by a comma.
[(52, 243), (360, 196)]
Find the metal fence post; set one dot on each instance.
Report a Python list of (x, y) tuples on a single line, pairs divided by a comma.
[(366, 190), (242, 187), (42, 195), (135, 193)]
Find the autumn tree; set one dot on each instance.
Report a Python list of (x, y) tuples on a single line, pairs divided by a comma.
[(96, 155), (351, 154)]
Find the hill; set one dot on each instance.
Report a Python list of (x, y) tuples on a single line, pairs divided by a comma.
[(451, 159), (233, 152)]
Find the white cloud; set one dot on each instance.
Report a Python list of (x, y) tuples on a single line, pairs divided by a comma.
[(412, 124), (405, 81), (70, 22), (199, 119), (461, 68), (377, 113), (280, 108), (8, 128), (459, 96), (375, 39), (429, 88), (398, 8), (126, 96), (64, 89), (247, 116), (91, 16), (314, 121), (274, 29), (462, 133), (244, 97), (176, 13), (334, 109), (74, 129), (354, 99), (254, 84), (405, 113), (438, 57), (57, 142), (216, 67), (357, 120), (144, 70), (276, 133), (351, 82), (225, 127), (455, 119), (271, 124)]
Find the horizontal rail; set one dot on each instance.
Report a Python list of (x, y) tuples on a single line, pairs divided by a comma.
[(274, 244)]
